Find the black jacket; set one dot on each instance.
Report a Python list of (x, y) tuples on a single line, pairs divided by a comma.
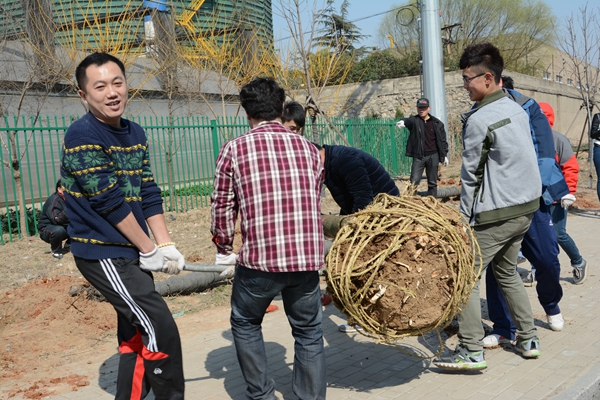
[(415, 146), (354, 178), (595, 131), (53, 212)]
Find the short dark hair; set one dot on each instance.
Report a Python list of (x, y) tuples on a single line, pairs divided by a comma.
[(508, 82), (97, 59), (262, 99), (58, 184), (485, 56), (293, 111)]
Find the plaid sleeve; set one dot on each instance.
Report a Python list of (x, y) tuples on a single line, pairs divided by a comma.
[(224, 206)]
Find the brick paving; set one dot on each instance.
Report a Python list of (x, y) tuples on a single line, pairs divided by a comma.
[(358, 368)]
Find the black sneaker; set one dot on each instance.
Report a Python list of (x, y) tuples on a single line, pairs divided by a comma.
[(57, 255), (461, 359), (579, 273)]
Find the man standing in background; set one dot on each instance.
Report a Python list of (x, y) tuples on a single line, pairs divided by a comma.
[(426, 144), (570, 169)]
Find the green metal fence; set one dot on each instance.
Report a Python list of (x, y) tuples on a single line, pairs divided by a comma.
[(183, 155)]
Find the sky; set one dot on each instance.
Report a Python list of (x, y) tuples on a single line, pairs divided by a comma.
[(363, 14)]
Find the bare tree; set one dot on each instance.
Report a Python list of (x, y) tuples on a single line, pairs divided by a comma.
[(519, 28), (319, 67), (40, 28), (581, 44), (32, 76)]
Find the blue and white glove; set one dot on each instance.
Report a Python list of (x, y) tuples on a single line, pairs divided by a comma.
[(226, 259), (400, 124), (445, 163), (152, 261)]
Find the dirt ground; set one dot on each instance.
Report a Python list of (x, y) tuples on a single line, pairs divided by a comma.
[(51, 340)]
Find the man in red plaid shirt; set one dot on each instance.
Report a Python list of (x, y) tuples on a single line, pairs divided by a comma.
[(272, 178)]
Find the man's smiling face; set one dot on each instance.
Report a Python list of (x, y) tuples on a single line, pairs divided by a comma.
[(477, 83), (105, 92)]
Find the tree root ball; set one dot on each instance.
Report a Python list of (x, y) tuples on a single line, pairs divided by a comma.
[(403, 266)]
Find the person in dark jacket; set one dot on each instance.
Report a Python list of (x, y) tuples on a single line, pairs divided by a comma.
[(426, 144), (595, 134), (294, 116), (53, 222), (354, 177)]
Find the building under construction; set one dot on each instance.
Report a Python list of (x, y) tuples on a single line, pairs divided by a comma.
[(126, 26)]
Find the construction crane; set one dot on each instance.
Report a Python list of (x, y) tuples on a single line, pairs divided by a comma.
[(188, 13)]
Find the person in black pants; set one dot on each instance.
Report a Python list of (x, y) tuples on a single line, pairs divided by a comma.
[(112, 200), (426, 144), (53, 222)]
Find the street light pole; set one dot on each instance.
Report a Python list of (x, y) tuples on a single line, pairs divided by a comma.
[(433, 60)]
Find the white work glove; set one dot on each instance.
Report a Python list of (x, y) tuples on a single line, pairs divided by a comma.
[(226, 259), (152, 261), (400, 124), (174, 261), (567, 201), (445, 163)]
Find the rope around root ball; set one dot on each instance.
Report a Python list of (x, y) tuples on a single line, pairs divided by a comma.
[(388, 258)]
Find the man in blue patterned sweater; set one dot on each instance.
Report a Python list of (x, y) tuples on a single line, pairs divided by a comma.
[(112, 199)]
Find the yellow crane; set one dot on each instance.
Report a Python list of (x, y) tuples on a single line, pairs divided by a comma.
[(188, 13), (184, 19)]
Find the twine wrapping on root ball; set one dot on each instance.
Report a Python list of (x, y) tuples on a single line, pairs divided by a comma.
[(403, 266)]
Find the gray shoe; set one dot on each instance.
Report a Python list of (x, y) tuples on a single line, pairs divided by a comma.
[(579, 273), (529, 348), (461, 359), (529, 280)]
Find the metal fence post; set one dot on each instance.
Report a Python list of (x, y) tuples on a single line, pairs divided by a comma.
[(215, 135), (393, 147)]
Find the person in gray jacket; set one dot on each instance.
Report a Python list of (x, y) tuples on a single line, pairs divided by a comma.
[(501, 188)]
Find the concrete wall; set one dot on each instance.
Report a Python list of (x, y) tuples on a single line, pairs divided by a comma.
[(385, 97), (71, 104)]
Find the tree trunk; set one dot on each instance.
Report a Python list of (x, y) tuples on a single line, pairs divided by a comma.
[(21, 205)]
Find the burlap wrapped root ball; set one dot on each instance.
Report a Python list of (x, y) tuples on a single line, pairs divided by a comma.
[(403, 266)]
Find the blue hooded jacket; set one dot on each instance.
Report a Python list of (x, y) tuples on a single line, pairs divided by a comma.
[(554, 186)]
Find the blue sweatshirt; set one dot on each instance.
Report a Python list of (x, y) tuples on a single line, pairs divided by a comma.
[(554, 186), (106, 175)]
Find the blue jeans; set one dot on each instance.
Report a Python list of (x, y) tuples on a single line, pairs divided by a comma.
[(597, 165), (559, 218), (540, 247), (252, 293), (430, 165)]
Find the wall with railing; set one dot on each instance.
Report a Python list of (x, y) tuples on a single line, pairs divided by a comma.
[(183, 155)]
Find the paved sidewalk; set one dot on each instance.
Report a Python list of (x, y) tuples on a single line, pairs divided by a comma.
[(357, 368)]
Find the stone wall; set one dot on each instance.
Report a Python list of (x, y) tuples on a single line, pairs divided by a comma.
[(384, 98)]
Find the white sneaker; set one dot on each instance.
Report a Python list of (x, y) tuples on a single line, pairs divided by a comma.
[(556, 322), (495, 340)]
